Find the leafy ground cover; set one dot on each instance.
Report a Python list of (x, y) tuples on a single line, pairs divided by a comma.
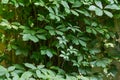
[(58, 39)]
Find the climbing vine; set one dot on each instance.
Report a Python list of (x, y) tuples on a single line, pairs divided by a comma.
[(58, 39)]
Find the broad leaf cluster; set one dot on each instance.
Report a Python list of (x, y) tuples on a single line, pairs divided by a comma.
[(73, 35)]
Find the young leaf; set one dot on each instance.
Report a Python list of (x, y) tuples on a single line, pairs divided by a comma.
[(77, 4), (26, 75), (74, 12), (38, 73), (49, 53), (26, 37), (4, 1), (52, 16), (3, 70), (65, 4), (33, 38), (15, 76), (40, 17), (71, 1), (92, 8), (11, 68), (59, 32), (99, 4), (98, 11), (42, 37), (40, 3), (31, 66), (51, 10), (82, 43), (112, 6), (108, 13), (40, 66), (67, 10), (52, 32)]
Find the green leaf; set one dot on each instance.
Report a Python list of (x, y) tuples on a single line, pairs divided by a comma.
[(41, 31), (51, 73), (74, 12), (5, 24), (82, 43), (98, 11), (40, 17), (3, 70), (57, 18), (7, 75), (107, 36), (38, 73), (61, 28), (77, 4), (94, 31), (75, 41), (21, 51), (100, 31), (88, 30), (11, 68), (79, 58), (33, 38), (94, 24), (31, 66), (51, 10), (99, 4), (26, 75), (52, 16), (52, 32), (84, 12), (26, 37), (44, 71), (4, 1), (56, 10), (67, 10), (59, 32), (103, 62), (40, 66), (65, 4), (28, 31), (68, 77), (48, 27), (15, 76), (84, 78), (108, 13), (92, 8), (112, 6), (42, 37), (94, 51), (32, 79), (49, 53), (14, 27), (71, 1), (40, 3), (19, 67)]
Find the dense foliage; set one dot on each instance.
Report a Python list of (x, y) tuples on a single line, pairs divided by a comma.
[(57, 39)]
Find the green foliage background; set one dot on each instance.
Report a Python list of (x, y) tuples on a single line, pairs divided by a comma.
[(58, 39)]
